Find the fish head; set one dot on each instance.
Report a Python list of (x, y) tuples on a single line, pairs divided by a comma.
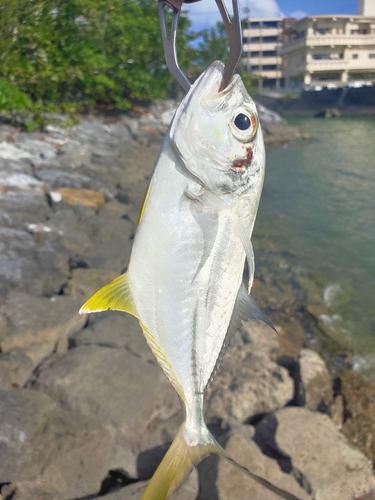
[(217, 134)]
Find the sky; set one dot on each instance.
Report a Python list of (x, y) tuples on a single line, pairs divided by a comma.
[(204, 13)]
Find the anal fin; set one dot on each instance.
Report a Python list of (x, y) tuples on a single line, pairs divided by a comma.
[(115, 296)]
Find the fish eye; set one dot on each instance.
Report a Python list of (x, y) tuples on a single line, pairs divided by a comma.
[(244, 124), (242, 121)]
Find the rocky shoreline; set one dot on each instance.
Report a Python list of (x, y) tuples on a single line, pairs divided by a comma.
[(85, 411)]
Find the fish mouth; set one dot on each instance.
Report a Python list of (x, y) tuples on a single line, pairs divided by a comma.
[(240, 164)]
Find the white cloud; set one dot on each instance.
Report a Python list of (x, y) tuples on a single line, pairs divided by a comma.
[(205, 13), (299, 14)]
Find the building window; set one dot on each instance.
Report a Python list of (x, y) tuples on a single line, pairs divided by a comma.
[(269, 53), (255, 54), (255, 39), (254, 24), (270, 24), (270, 39), (354, 56), (321, 56), (254, 68), (270, 67), (372, 55)]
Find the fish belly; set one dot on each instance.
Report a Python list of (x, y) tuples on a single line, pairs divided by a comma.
[(185, 271)]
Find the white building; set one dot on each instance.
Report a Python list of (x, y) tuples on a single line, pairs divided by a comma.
[(262, 40), (331, 49)]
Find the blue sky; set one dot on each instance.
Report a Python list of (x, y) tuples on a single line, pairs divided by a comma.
[(204, 13)]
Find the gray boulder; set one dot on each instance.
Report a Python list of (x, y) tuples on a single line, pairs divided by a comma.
[(48, 452), (188, 490), (127, 392), (310, 447), (315, 390), (219, 479), (41, 269), (38, 325), (248, 383), (15, 368)]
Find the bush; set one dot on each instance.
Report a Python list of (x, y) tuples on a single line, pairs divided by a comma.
[(13, 99)]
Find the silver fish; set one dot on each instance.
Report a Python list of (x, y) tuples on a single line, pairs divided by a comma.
[(184, 281)]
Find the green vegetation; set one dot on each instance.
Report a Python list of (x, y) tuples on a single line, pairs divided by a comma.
[(67, 55)]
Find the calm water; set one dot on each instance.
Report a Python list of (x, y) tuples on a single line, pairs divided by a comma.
[(319, 203)]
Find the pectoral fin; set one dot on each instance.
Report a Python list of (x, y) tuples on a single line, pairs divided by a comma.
[(249, 309), (116, 296), (214, 201)]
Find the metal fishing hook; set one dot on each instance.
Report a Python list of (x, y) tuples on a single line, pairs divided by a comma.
[(233, 28)]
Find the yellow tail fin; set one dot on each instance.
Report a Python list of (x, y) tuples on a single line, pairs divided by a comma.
[(179, 460)]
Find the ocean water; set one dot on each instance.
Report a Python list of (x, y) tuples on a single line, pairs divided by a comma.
[(319, 203)]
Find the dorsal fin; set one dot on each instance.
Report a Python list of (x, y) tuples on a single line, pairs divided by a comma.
[(116, 296)]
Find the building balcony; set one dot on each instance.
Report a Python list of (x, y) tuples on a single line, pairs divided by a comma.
[(328, 40), (354, 65), (262, 60), (273, 74), (257, 47), (261, 32)]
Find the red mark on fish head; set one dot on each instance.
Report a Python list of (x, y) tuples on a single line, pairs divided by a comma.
[(241, 163)]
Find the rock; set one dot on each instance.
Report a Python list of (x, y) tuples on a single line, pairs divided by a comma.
[(10, 181), (122, 389), (48, 452), (12, 152), (310, 447), (268, 116), (336, 411), (188, 490), (219, 479), (315, 381), (39, 152), (112, 238), (40, 269), (22, 166), (61, 179), (86, 197), (15, 368), (38, 325), (18, 209), (85, 282), (328, 113), (359, 401), (247, 384), (278, 133), (113, 329), (97, 240), (73, 154)]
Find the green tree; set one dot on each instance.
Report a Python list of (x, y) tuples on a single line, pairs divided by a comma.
[(97, 51)]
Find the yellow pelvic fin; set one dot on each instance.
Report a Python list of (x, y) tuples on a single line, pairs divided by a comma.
[(116, 296), (181, 457)]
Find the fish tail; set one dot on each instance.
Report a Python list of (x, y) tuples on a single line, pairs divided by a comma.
[(176, 464), (181, 457)]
